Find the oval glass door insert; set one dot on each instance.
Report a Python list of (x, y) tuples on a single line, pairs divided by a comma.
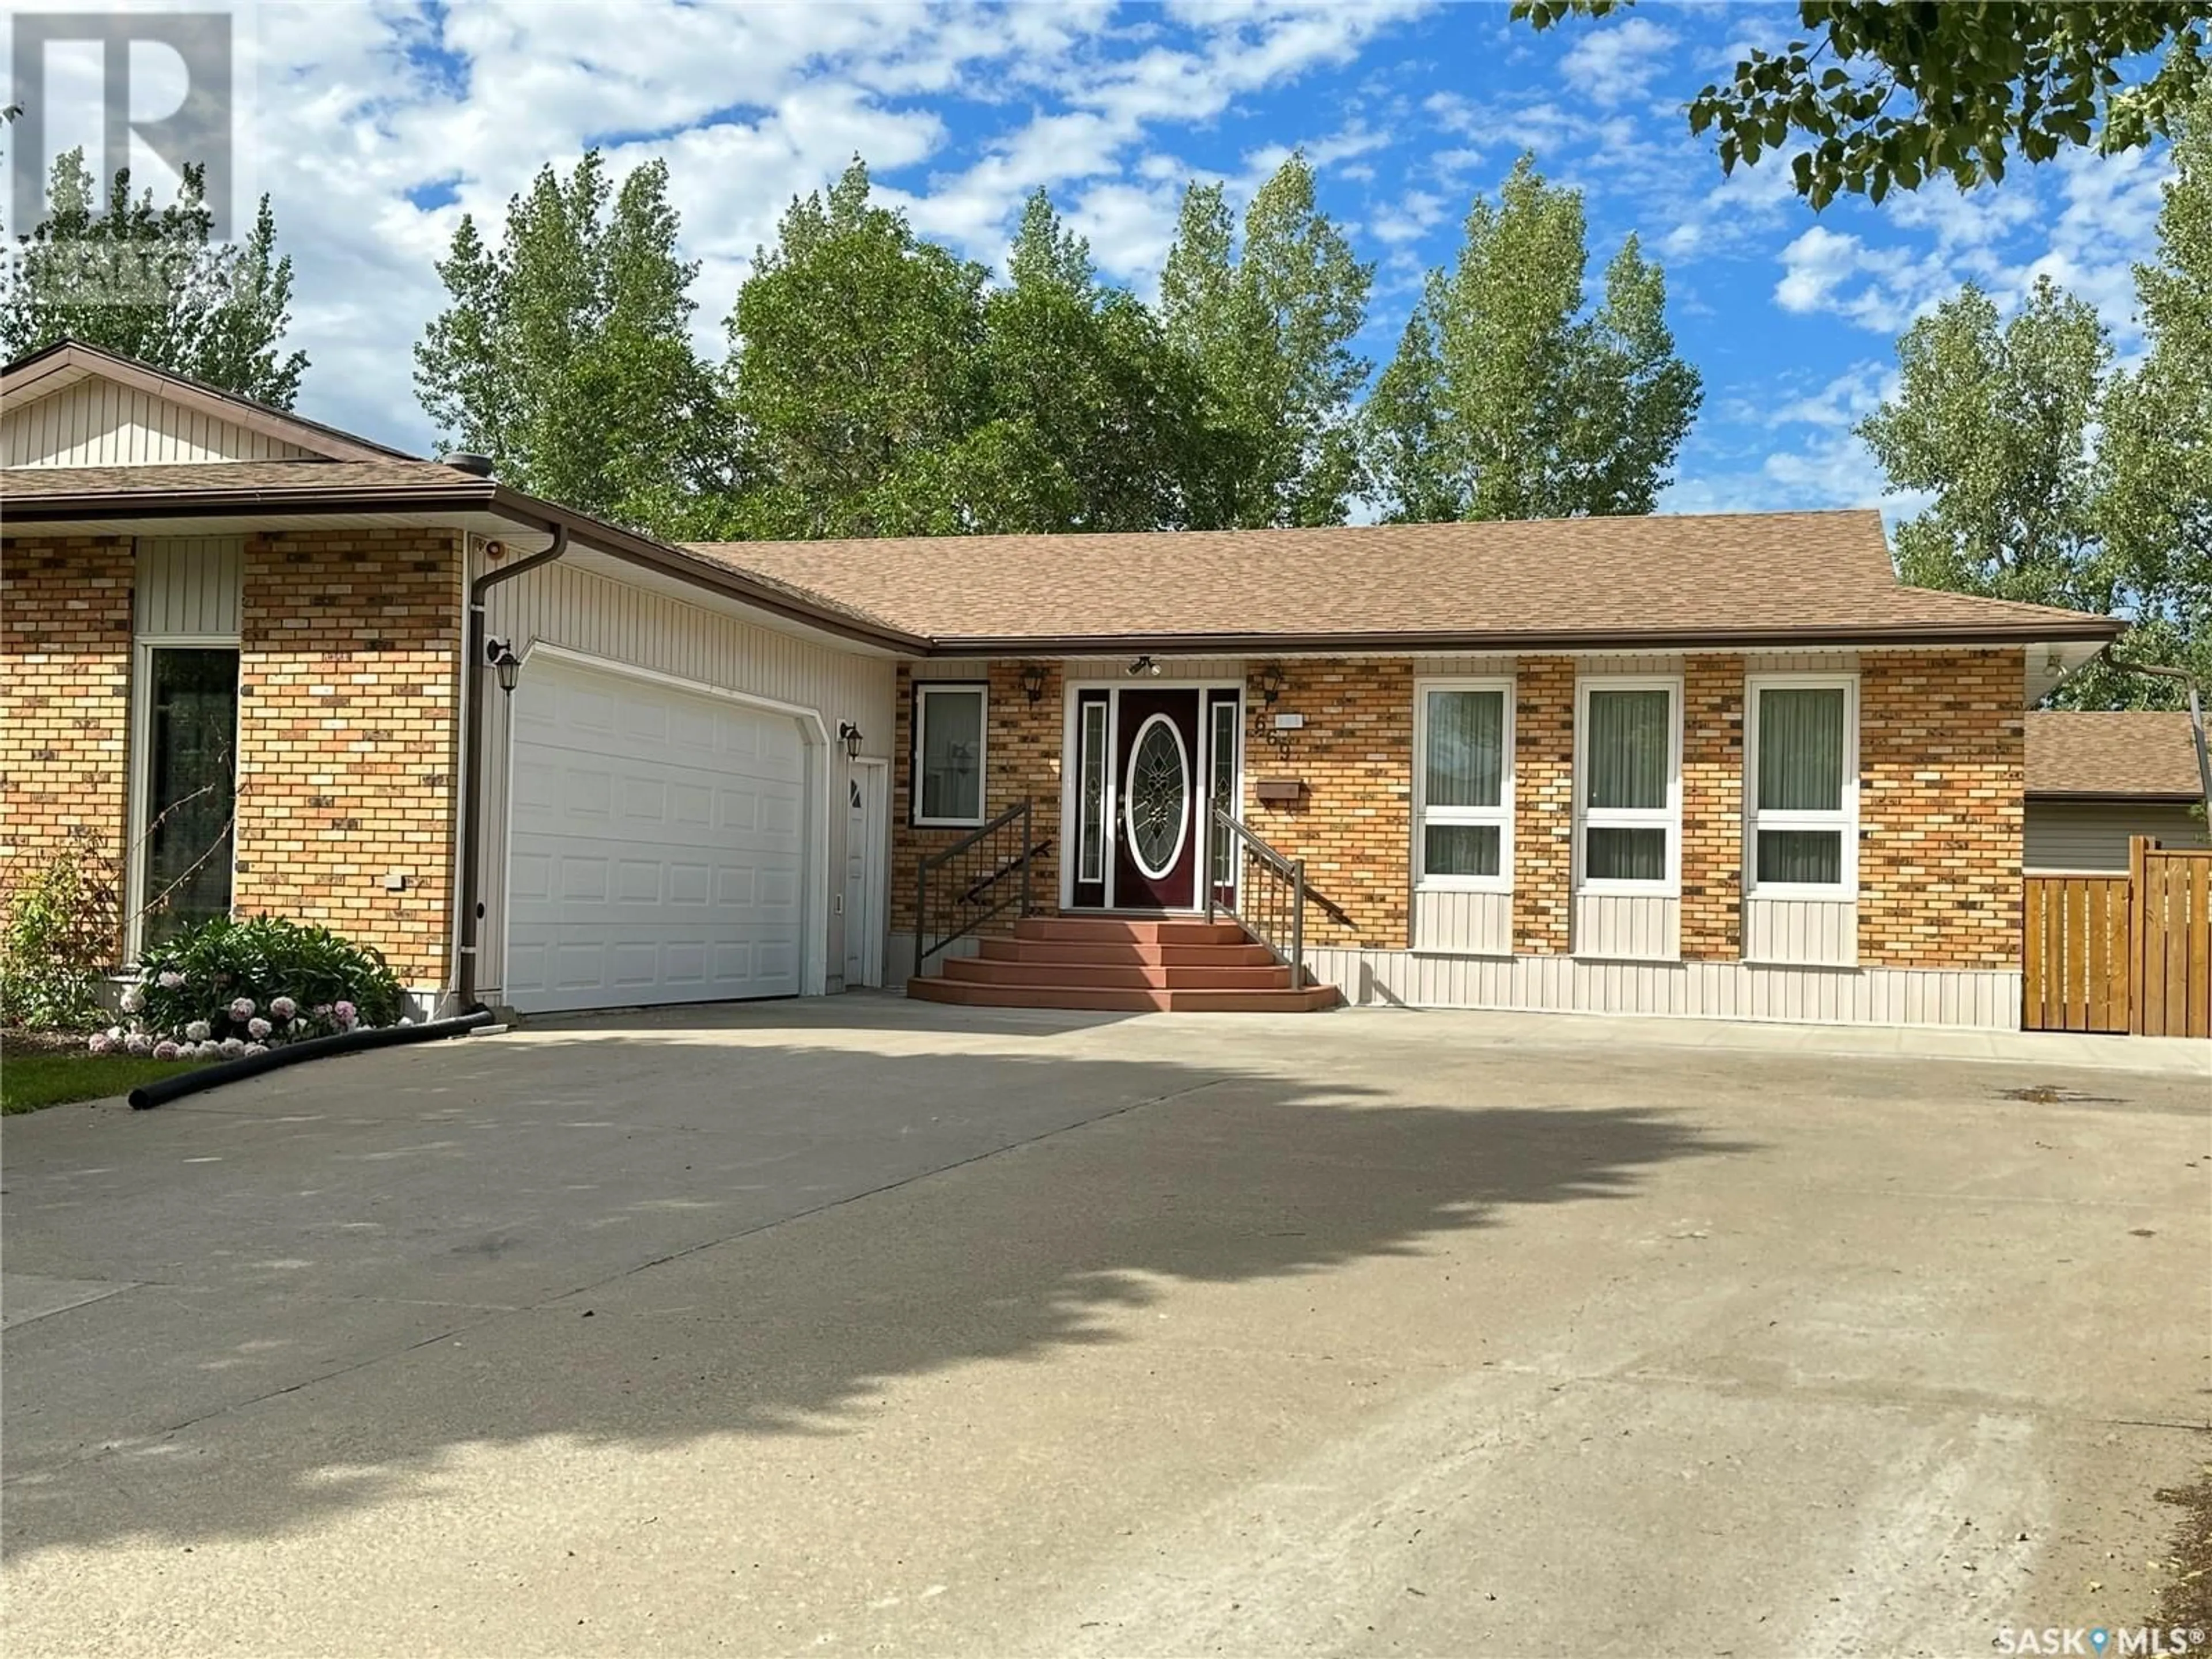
[(1158, 797)]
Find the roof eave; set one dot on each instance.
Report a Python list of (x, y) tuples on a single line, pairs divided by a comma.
[(2117, 797), (1421, 643)]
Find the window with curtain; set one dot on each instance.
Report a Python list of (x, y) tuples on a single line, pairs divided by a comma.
[(1463, 804), (1629, 798), (1803, 785), (948, 748)]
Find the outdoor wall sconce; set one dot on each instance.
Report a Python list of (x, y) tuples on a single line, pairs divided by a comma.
[(1272, 680), (1142, 666), (500, 653), (849, 735), (1033, 677)]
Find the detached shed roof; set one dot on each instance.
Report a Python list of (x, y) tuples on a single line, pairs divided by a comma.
[(2126, 754), (1777, 578)]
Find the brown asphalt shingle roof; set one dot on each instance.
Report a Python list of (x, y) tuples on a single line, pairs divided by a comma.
[(185, 478), (2137, 753), (1776, 575)]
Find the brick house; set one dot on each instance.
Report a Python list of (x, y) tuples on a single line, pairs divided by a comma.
[(1724, 765)]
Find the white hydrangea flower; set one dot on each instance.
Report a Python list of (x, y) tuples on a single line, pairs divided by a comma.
[(198, 1031), (134, 1000)]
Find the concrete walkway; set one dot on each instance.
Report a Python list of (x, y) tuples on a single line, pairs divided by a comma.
[(865, 1326)]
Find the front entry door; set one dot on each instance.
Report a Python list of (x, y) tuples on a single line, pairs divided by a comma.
[(1156, 770)]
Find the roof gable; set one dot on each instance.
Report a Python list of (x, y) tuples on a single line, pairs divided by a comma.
[(74, 406)]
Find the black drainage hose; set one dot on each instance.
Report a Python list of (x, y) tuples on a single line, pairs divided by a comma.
[(160, 1092)]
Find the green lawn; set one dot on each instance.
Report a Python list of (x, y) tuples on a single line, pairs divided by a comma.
[(30, 1081)]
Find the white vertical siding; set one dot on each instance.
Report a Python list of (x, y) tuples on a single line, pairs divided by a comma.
[(583, 604), (1480, 924), (1813, 931), (1983, 999), (1629, 926), (95, 422), (189, 586)]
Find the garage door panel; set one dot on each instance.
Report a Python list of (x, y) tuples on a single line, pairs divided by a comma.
[(657, 846)]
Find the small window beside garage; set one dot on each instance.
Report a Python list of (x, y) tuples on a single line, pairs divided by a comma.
[(948, 749)]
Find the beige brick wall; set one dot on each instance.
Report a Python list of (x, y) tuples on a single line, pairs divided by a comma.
[(1021, 756), (349, 732), (1712, 808), (1940, 803), (64, 695), (1543, 804), (1353, 827)]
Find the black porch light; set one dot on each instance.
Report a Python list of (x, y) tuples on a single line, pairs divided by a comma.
[(1033, 678), (504, 663), (1272, 679), (849, 735)]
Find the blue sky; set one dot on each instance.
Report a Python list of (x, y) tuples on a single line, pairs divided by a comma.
[(375, 126)]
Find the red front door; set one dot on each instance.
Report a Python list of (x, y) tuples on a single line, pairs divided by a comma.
[(1156, 770)]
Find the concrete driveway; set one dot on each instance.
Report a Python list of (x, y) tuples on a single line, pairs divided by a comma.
[(859, 1326)]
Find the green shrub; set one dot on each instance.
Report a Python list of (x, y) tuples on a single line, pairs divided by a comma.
[(200, 974), (63, 921)]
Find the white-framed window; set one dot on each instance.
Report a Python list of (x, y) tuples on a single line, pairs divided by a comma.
[(1801, 785), (950, 718), (1628, 784), (1463, 784)]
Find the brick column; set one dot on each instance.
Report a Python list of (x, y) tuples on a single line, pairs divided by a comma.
[(1940, 803), (348, 689), (1354, 824), (65, 697), (1543, 804), (1712, 808)]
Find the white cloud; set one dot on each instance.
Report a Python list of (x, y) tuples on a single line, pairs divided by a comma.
[(1412, 217), (1613, 65), (361, 109)]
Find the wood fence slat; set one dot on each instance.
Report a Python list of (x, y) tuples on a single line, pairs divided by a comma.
[(2034, 1015), (2200, 948), (2074, 967)]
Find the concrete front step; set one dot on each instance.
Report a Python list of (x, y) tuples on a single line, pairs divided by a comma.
[(1127, 954), (985, 970), (1104, 1000), (1087, 930)]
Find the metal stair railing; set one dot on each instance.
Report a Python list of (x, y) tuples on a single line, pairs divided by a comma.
[(1272, 908), (983, 874)]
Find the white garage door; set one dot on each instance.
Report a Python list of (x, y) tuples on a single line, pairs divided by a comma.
[(657, 845)]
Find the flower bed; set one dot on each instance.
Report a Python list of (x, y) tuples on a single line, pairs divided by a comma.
[(229, 989)]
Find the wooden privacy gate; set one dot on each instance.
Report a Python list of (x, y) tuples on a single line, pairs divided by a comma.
[(2122, 953)]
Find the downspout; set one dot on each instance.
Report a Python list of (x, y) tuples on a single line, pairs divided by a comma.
[(2196, 722), (472, 765)]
